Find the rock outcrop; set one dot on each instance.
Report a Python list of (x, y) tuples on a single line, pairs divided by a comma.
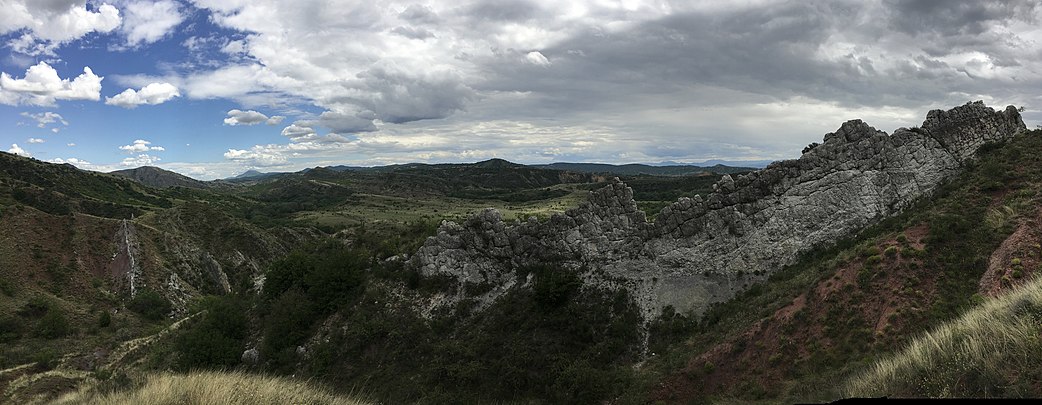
[(699, 251)]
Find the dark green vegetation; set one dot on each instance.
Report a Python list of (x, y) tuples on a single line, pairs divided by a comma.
[(553, 341), (150, 305), (218, 338)]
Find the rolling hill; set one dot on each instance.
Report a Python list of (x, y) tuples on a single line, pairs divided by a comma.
[(155, 177)]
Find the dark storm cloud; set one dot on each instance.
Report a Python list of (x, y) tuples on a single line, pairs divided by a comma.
[(954, 18), (777, 52), (947, 27), (345, 123), (500, 11), (768, 51), (418, 14), (400, 96), (412, 32)]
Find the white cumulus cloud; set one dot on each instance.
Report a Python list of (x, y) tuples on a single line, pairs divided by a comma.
[(146, 22), (141, 145), (15, 149), (73, 161), (35, 140), (537, 58), (143, 159), (57, 20), (152, 94), (258, 156), (29, 45), (42, 86), (250, 117)]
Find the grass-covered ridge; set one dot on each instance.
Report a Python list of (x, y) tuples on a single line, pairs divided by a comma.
[(994, 350), (212, 387)]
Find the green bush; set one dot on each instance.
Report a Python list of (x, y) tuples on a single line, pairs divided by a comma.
[(104, 319), (554, 285), (217, 339), (10, 328), (669, 328), (287, 324), (150, 305), (53, 324), (329, 277), (303, 288), (45, 359), (6, 288)]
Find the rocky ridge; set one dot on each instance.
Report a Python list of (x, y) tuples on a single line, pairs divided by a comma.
[(699, 251)]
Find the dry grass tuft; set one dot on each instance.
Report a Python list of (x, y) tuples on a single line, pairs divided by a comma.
[(212, 387), (992, 350)]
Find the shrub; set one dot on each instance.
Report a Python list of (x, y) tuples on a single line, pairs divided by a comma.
[(554, 286), (6, 288), (10, 328), (53, 324), (45, 359), (105, 319), (286, 325), (329, 278), (150, 305), (890, 251), (217, 339)]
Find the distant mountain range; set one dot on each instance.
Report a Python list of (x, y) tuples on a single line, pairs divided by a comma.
[(759, 164), (637, 169), (634, 169)]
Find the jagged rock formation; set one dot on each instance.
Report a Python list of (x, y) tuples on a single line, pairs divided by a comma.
[(704, 250)]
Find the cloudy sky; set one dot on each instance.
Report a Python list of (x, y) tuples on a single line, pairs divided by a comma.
[(210, 88)]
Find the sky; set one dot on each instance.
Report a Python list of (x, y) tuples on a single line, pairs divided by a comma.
[(212, 88)]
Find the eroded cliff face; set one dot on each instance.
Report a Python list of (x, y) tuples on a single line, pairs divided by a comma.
[(699, 251)]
